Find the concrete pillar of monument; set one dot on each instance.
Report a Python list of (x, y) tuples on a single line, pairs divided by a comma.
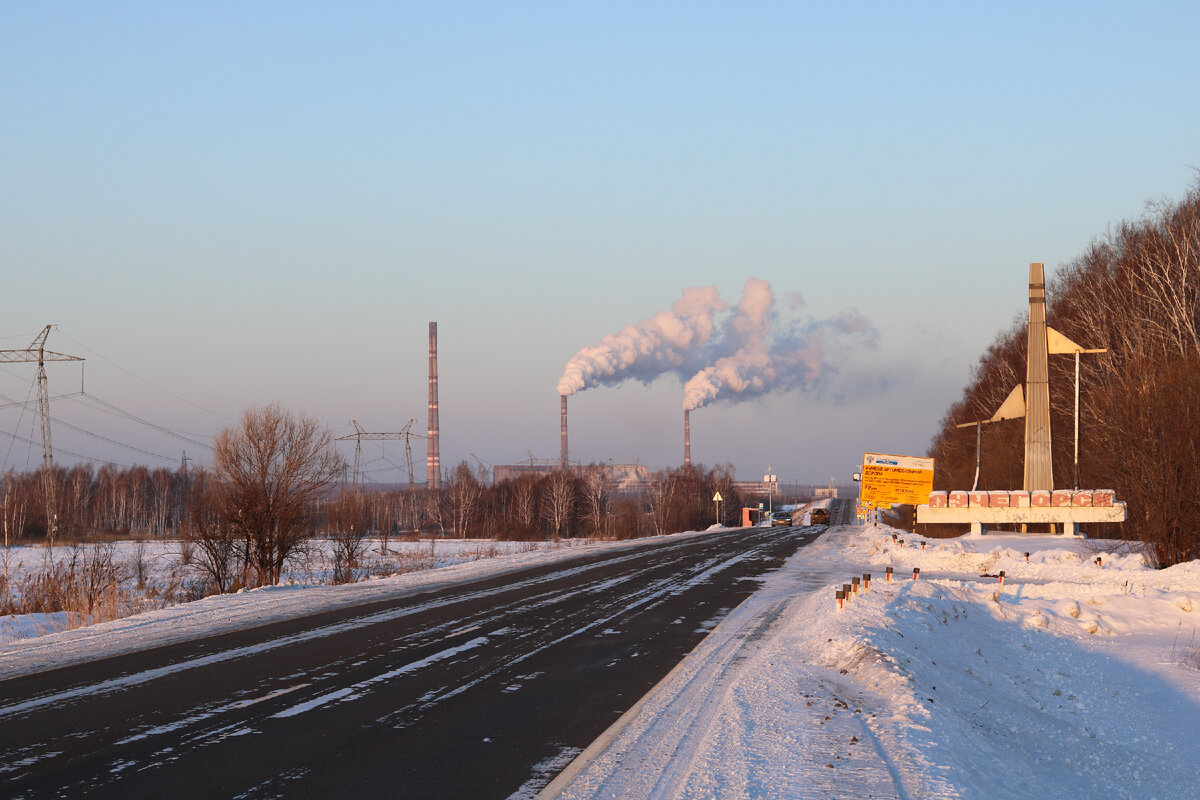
[(1039, 473)]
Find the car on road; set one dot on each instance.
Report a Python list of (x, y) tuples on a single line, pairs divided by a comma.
[(818, 516), (781, 518)]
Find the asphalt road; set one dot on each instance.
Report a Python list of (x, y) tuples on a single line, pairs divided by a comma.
[(485, 690)]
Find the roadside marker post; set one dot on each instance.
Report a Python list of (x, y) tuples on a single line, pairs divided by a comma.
[(866, 582), (916, 572), (887, 575)]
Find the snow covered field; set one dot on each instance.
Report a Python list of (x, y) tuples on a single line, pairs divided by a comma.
[(1072, 680), (38, 641)]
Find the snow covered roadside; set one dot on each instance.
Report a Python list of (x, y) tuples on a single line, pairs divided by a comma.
[(1071, 680), (230, 612)]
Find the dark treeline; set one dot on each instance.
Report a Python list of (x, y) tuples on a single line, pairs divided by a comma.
[(118, 501), (143, 503), (1136, 292), (199, 508)]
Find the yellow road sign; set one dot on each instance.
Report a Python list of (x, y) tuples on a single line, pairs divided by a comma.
[(888, 479)]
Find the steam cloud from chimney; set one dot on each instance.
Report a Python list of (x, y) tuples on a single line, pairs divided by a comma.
[(670, 341), (739, 359)]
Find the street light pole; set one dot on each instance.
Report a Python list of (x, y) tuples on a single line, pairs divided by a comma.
[(770, 479)]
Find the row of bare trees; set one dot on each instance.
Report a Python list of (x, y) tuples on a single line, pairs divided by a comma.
[(117, 500), (274, 483), (1136, 292), (238, 544)]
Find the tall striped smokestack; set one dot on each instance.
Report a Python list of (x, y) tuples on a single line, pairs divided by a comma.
[(433, 458), (687, 438), (565, 463)]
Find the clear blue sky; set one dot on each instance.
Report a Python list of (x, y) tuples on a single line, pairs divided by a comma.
[(246, 202)]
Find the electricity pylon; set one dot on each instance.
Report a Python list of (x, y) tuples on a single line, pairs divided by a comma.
[(359, 435), (37, 352)]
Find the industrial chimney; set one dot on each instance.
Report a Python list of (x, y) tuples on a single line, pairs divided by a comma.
[(687, 438), (433, 460), (565, 463)]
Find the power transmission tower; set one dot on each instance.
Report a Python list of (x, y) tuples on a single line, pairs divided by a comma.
[(37, 352), (484, 466), (408, 449), (361, 435)]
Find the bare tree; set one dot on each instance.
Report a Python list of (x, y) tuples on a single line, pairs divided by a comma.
[(349, 521), (269, 473), (408, 504), (433, 505), (596, 488), (383, 509), (660, 496), (222, 553), (525, 504), (13, 522), (464, 493), (559, 501)]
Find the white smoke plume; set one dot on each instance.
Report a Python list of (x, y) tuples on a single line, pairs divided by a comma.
[(743, 360), (667, 342), (798, 359)]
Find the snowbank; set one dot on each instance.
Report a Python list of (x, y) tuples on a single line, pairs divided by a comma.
[(1069, 680)]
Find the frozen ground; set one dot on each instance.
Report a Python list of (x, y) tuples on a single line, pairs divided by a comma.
[(1071, 681)]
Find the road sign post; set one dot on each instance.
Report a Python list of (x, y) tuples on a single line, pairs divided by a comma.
[(889, 479)]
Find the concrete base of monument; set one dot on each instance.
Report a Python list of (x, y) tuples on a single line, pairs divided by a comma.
[(982, 518)]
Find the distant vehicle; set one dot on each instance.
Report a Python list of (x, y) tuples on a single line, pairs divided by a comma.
[(781, 518), (818, 516)]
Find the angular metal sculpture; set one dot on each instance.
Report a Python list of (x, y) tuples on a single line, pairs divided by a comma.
[(1039, 473)]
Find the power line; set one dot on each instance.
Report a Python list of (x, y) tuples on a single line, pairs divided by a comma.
[(143, 380), (110, 408), (60, 421), (26, 403), (37, 352), (112, 441), (18, 336), (68, 452), (19, 419)]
